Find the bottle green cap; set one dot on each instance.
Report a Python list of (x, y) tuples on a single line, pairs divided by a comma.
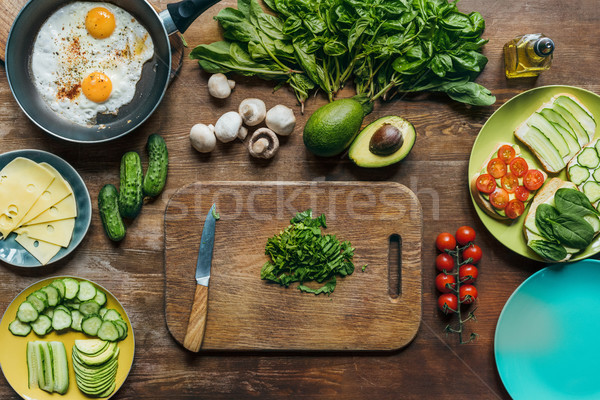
[(543, 47)]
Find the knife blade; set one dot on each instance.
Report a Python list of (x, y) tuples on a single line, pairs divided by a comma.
[(197, 320)]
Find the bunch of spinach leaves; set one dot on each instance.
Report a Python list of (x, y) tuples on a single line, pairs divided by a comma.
[(300, 253), (385, 46), (564, 226)]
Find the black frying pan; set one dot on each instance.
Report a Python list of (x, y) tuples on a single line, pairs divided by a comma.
[(150, 88)]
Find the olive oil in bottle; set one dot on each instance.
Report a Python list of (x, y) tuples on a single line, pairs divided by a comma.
[(528, 55)]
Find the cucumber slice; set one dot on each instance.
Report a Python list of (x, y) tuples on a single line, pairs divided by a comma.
[(47, 380), (42, 296), (111, 315), (596, 175), (42, 325), (571, 141), (61, 319), (91, 347), (582, 135), (71, 288), (89, 307), (593, 220), (36, 302), (585, 118), (19, 328), (578, 174), (588, 158), (123, 325), (52, 295), (553, 116), (60, 367), (27, 312), (91, 324), (108, 331), (76, 320), (87, 291), (592, 191), (49, 312), (72, 305), (537, 120), (100, 297), (63, 308), (544, 148), (34, 366), (102, 311), (60, 286)]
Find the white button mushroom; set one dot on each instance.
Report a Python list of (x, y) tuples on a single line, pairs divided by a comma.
[(219, 86), (263, 143), (203, 138), (228, 126), (253, 111), (281, 120)]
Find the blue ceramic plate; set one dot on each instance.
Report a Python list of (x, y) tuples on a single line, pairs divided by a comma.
[(546, 343), (11, 252)]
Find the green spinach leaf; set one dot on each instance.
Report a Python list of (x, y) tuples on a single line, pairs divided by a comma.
[(573, 202), (548, 250), (572, 231)]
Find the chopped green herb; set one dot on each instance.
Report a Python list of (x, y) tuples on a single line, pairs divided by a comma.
[(215, 214), (301, 253), (364, 267)]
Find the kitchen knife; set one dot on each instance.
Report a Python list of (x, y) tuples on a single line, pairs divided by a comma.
[(197, 322)]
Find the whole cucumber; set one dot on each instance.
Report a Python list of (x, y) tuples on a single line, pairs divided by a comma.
[(109, 213), (131, 197), (158, 162)]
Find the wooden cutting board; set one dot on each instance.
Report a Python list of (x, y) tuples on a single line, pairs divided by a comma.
[(378, 309)]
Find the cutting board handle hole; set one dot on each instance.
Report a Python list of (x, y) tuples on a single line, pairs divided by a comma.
[(395, 266)]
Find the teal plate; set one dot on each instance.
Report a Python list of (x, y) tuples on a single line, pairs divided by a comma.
[(546, 343), (11, 252)]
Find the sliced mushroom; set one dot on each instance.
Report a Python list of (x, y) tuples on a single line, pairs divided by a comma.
[(219, 86), (228, 126), (263, 143), (253, 111), (281, 120)]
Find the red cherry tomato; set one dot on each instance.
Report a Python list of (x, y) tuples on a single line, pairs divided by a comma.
[(514, 209), (448, 303), (473, 252), (522, 193), (445, 283), (533, 179), (467, 273), (518, 166), (464, 235), (486, 183), (499, 198), (445, 241), (496, 168), (510, 182), (467, 294), (444, 262), (506, 153)]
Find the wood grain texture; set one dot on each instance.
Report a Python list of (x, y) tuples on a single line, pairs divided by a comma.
[(433, 366), (8, 12), (197, 321), (245, 313)]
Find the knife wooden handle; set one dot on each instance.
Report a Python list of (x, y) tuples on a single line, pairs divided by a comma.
[(197, 322)]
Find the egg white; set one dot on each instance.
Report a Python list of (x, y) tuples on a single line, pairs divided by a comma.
[(64, 53)]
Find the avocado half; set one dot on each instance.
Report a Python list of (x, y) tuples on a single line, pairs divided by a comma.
[(361, 150)]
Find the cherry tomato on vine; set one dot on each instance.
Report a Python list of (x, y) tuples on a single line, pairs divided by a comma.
[(467, 273), (474, 252), (468, 294), (448, 303), (445, 241), (464, 235), (444, 262), (445, 283)]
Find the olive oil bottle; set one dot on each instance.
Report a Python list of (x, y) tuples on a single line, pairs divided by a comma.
[(528, 55)]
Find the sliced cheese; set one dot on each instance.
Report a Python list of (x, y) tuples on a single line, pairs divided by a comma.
[(41, 250), (57, 191), (66, 208), (22, 182), (55, 232)]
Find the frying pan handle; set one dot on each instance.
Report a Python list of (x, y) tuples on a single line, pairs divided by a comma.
[(183, 13)]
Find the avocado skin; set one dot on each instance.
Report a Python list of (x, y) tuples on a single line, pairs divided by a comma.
[(331, 129), (363, 157)]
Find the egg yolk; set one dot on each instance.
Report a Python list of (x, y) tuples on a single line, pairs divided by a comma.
[(96, 87), (100, 22)]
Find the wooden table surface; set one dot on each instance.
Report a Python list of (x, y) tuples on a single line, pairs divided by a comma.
[(433, 365)]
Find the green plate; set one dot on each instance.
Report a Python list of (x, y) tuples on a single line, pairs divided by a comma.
[(12, 252), (500, 128)]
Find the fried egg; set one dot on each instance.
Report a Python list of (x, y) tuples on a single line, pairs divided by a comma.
[(87, 59)]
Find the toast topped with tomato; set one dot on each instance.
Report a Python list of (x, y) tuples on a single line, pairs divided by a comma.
[(506, 183)]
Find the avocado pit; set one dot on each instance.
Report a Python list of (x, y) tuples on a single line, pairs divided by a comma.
[(386, 140)]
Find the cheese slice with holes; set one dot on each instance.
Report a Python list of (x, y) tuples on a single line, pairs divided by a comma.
[(55, 232), (58, 190), (22, 182), (66, 208), (43, 251)]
